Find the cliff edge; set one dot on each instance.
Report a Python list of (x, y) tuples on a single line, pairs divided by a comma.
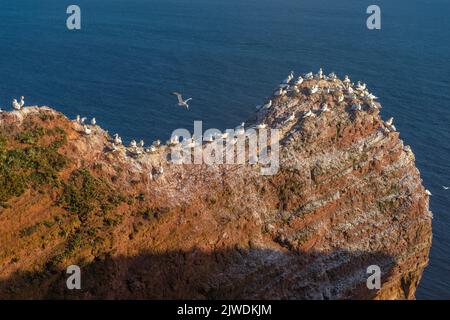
[(347, 195)]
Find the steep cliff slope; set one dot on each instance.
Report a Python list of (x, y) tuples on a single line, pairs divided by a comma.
[(347, 196)]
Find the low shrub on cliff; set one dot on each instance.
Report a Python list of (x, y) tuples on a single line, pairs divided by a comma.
[(32, 165)]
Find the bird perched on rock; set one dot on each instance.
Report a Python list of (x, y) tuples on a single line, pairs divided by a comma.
[(356, 107), (346, 79), (261, 126), (428, 192), (309, 114), (156, 143), (291, 117), (133, 144), (93, 121), (289, 78), (141, 143), (313, 89), (181, 102), (341, 98), (390, 121), (324, 108), (268, 104), (16, 105), (117, 139), (83, 120), (87, 130), (299, 81), (309, 76)]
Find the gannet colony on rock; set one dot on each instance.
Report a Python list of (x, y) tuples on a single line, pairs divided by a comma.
[(325, 86)]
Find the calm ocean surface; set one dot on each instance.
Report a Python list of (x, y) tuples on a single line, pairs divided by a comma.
[(228, 55)]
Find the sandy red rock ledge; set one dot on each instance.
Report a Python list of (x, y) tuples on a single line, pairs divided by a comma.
[(347, 195)]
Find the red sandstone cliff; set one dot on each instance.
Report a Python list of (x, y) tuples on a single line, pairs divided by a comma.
[(347, 195)]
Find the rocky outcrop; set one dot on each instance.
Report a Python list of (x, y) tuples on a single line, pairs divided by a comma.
[(347, 195)]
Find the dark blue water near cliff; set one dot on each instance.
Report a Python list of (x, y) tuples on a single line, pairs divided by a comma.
[(228, 55)]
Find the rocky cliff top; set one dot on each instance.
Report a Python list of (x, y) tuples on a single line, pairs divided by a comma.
[(347, 195)]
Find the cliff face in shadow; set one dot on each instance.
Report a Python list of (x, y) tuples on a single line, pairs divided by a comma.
[(223, 274), (347, 195)]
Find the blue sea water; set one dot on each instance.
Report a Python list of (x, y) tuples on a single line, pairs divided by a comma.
[(228, 55)]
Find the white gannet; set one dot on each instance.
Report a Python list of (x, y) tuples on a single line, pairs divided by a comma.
[(314, 89), (392, 128), (174, 140), (356, 107), (141, 144), (346, 79), (151, 149), (268, 104), (87, 130), (373, 105), (309, 114), (181, 102), (407, 149), (445, 187), (113, 147), (22, 102), (93, 121), (78, 118), (320, 74), (16, 105), (1, 110), (428, 192), (299, 81), (370, 96), (117, 139), (156, 143), (324, 108), (289, 78), (341, 98), (360, 86), (349, 90), (390, 121), (208, 139), (83, 120), (332, 76), (291, 117), (261, 126), (240, 131), (133, 144), (309, 76)]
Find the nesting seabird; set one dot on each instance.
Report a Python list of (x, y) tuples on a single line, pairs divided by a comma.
[(83, 120), (261, 126), (133, 144), (324, 108), (93, 121), (181, 102), (346, 79), (314, 89), (428, 192), (309, 114), (356, 107), (117, 139), (390, 121), (156, 143), (289, 78), (291, 117), (309, 76), (299, 81), (16, 105), (268, 104), (87, 130)]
